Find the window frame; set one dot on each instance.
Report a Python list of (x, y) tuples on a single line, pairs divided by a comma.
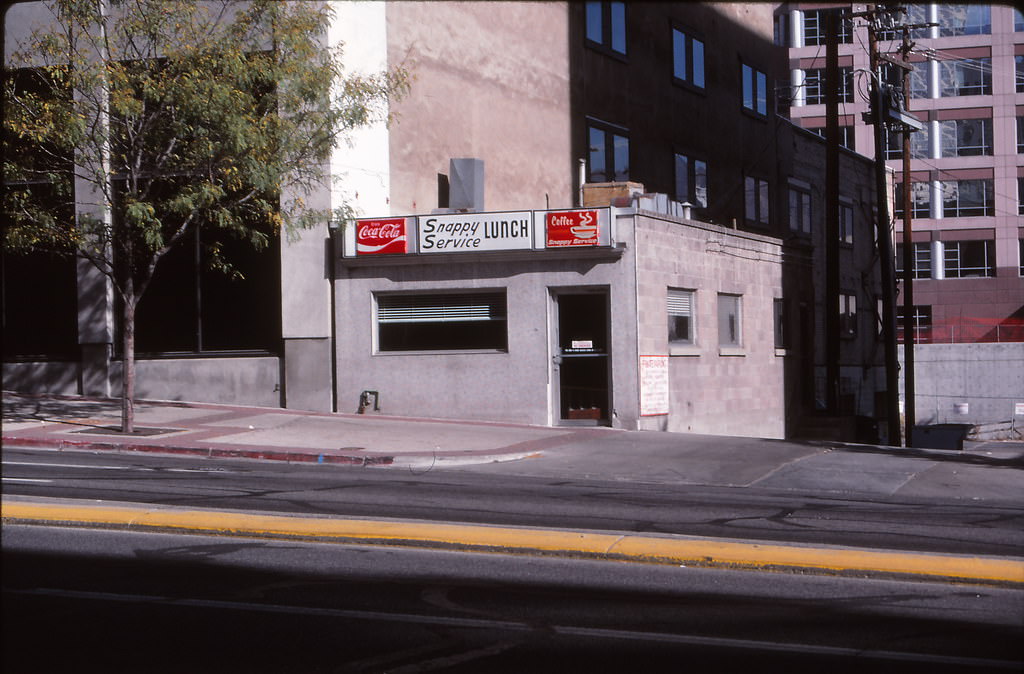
[(922, 259), (950, 70), (814, 92), (757, 101), (761, 213), (690, 76), (612, 22), (988, 254), (845, 224), (958, 128), (847, 314), (730, 306), (951, 205), (946, 29), (814, 25), (675, 299), (922, 323), (609, 151), (800, 202), (693, 182), (452, 307)]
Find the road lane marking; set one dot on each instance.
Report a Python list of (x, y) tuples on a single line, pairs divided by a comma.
[(24, 479), (665, 549)]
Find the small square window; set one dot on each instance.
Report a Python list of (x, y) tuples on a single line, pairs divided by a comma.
[(799, 210), (680, 316), (606, 26), (756, 200)]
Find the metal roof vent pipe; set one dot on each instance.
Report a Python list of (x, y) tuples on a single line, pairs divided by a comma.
[(687, 210), (466, 185)]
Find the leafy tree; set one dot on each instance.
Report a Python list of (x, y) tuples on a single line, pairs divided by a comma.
[(129, 123)]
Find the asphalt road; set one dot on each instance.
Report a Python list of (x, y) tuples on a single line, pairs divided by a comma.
[(113, 601), (925, 524)]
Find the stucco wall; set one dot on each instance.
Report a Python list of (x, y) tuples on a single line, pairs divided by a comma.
[(989, 378), (713, 390), (491, 81), (241, 381)]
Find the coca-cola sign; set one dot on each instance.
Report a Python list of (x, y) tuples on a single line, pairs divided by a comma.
[(572, 228), (378, 237)]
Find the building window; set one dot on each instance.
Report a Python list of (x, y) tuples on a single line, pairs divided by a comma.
[(845, 135), (922, 323), (609, 154), (729, 320), (816, 25), (687, 58), (846, 224), (847, 315), (965, 137), (1018, 21), (919, 144), (1020, 134), (919, 81), (606, 26), (1020, 196), (756, 200), (922, 259), (799, 210), (192, 308), (442, 322), (917, 14), (1020, 252), (755, 90), (681, 328), (691, 181), (970, 259), (815, 88), (779, 321), (964, 20), (782, 30), (920, 200), (1018, 62), (969, 77), (967, 198)]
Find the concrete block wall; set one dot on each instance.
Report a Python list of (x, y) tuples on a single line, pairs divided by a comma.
[(713, 390)]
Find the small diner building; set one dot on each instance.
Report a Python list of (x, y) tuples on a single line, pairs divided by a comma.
[(616, 316)]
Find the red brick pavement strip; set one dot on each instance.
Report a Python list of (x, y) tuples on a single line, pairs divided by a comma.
[(223, 452)]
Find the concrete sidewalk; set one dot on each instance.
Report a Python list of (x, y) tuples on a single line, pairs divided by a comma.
[(990, 471)]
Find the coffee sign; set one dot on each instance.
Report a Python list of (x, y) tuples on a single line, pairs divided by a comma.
[(572, 228), (382, 236)]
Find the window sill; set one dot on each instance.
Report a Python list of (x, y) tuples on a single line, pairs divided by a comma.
[(731, 351), (444, 352), (683, 350)]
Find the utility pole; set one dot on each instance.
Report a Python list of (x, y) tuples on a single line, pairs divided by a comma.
[(909, 314), (887, 260), (832, 352)]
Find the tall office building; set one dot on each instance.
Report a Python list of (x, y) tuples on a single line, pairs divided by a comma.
[(967, 172)]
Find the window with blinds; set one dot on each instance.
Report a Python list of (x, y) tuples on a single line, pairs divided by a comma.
[(680, 316), (442, 322)]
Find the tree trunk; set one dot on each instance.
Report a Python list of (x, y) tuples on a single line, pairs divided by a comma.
[(128, 361)]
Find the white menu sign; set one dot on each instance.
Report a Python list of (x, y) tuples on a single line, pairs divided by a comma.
[(653, 385), (468, 232)]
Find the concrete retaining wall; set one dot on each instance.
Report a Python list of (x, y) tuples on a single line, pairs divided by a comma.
[(967, 383)]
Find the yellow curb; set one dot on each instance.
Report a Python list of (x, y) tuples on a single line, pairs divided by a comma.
[(667, 549)]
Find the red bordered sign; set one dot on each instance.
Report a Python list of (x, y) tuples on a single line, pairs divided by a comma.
[(572, 228), (382, 236)]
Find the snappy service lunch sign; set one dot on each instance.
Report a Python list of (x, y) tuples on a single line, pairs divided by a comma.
[(469, 232)]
